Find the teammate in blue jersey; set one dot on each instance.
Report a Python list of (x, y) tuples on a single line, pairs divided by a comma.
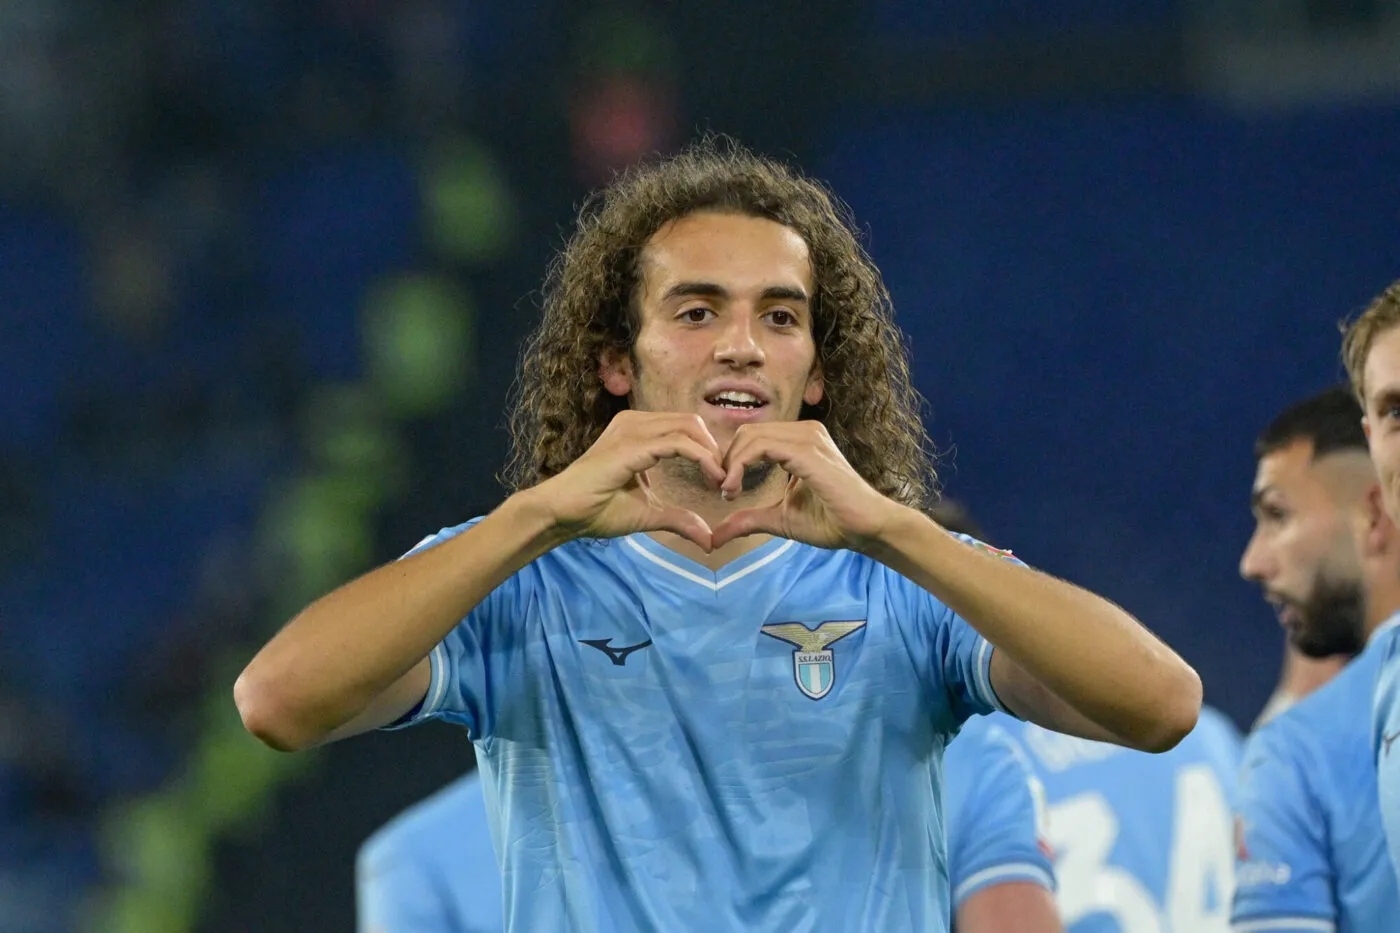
[(1371, 350), (710, 650), (999, 858), (1143, 843), (1328, 558), (431, 869)]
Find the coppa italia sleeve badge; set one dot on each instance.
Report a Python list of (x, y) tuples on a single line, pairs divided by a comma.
[(813, 663), (986, 548)]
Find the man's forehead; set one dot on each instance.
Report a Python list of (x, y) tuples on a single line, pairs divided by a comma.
[(1382, 369), (728, 250), (1286, 465)]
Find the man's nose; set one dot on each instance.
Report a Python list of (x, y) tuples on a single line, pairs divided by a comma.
[(739, 342), (1254, 563)]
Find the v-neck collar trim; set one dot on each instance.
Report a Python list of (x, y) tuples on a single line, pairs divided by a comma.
[(715, 580)]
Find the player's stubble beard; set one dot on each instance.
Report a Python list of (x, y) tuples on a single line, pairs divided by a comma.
[(1332, 620)]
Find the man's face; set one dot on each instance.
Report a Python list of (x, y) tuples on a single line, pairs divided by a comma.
[(1382, 381), (726, 324), (1304, 554)]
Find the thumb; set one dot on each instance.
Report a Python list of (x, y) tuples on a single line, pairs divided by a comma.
[(747, 522), (683, 522)]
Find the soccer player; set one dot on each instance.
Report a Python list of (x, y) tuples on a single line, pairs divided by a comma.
[(710, 651), (431, 869), (998, 853), (1371, 350), (1311, 857), (1143, 843)]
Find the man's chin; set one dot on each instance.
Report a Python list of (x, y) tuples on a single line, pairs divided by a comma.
[(1314, 644)]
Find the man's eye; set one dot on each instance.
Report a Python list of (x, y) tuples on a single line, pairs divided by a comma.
[(696, 315), (782, 317)]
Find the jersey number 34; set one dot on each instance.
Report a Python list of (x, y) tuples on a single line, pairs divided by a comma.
[(1201, 872)]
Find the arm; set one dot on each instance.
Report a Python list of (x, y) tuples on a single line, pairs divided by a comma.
[(1022, 906), (1066, 659), (356, 658)]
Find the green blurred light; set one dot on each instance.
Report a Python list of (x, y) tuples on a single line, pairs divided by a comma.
[(624, 41), (470, 214), (420, 342)]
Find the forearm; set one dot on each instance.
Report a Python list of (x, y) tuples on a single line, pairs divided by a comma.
[(1022, 906), (340, 653), (1089, 653)]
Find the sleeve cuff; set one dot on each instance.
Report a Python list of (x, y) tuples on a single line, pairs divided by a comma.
[(432, 700), (983, 677), (1284, 925), (1002, 874)]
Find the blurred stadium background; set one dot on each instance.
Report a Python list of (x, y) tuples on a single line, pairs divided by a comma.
[(264, 268)]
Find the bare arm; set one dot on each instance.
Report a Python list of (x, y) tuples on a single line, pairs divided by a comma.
[(356, 658), (1066, 659), (1022, 906)]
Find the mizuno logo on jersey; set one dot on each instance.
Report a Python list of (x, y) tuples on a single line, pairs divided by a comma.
[(618, 656), (1387, 741), (813, 663)]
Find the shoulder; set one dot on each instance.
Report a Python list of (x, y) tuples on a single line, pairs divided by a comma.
[(1332, 717), (437, 828)]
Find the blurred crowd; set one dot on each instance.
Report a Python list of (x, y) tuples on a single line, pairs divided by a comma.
[(245, 248)]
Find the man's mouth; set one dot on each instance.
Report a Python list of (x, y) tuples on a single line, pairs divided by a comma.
[(735, 400)]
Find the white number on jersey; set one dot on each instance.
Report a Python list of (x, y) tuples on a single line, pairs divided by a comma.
[(1083, 830)]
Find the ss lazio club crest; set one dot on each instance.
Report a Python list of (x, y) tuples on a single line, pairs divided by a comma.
[(813, 664)]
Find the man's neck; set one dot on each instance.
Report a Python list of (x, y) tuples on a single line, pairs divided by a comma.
[(1382, 600)]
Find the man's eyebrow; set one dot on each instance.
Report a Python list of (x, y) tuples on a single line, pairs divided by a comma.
[(1387, 398), (714, 290), (1256, 498)]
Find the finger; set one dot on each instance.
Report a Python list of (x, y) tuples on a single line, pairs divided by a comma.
[(683, 522), (705, 457), (672, 446), (694, 427), (767, 520), (748, 450)]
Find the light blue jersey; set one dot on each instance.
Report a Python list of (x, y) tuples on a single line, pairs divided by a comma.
[(431, 869), (1143, 843), (1312, 856), (1385, 731), (665, 747), (996, 811)]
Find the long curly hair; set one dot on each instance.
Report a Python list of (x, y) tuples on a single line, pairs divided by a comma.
[(872, 411)]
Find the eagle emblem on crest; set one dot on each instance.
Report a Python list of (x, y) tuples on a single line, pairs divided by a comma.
[(813, 663)]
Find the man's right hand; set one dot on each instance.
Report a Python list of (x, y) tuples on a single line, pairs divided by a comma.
[(605, 493)]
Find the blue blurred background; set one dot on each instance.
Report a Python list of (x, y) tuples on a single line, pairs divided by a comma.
[(264, 270)]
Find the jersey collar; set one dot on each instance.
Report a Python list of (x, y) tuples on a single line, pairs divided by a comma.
[(662, 558)]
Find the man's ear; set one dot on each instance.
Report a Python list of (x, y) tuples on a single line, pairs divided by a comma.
[(1380, 531), (615, 369), (815, 388)]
